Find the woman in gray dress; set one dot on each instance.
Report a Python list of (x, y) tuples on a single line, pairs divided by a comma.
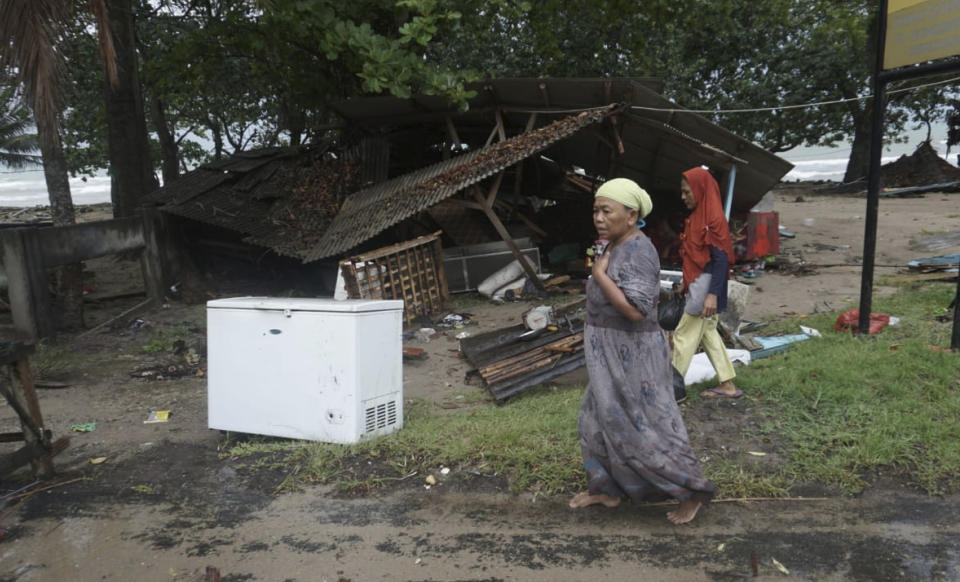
[(632, 436)]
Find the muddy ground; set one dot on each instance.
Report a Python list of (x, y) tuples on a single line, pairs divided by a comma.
[(166, 502)]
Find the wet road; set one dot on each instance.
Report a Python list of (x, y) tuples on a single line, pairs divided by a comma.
[(437, 535)]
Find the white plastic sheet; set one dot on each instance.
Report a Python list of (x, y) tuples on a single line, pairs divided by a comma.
[(701, 369)]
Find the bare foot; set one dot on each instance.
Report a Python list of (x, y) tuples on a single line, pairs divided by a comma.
[(686, 512), (723, 390), (584, 498)]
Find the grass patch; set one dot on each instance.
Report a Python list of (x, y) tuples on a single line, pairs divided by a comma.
[(836, 410), (163, 338), (850, 407), (52, 361)]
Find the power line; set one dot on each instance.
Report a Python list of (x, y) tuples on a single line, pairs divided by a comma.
[(797, 106)]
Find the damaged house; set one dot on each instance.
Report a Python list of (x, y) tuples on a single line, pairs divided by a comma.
[(519, 164)]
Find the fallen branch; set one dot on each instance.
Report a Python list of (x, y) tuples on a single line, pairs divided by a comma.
[(136, 307), (47, 488)]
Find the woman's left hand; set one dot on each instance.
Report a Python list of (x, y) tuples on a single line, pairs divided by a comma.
[(709, 305)]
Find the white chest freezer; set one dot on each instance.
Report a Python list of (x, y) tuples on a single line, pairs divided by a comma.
[(314, 369)]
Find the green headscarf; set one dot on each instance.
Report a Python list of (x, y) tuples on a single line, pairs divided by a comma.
[(628, 193)]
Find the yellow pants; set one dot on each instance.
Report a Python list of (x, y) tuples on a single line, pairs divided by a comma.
[(693, 331)]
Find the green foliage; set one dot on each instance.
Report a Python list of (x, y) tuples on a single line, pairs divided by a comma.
[(162, 339), (18, 144)]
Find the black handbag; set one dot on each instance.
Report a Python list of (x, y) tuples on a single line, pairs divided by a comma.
[(671, 310)]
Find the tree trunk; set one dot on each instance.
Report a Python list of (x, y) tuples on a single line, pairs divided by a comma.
[(169, 150), (127, 127), (859, 163), (69, 278)]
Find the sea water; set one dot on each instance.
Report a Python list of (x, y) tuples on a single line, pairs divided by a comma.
[(26, 188)]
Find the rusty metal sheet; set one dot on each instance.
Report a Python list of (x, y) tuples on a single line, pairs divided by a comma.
[(367, 213)]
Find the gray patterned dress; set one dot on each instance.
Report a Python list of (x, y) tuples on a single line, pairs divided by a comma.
[(632, 436)]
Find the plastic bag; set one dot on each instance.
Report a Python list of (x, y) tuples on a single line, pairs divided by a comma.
[(849, 321), (679, 386), (671, 310)]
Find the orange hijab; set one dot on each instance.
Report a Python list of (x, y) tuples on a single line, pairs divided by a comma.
[(705, 227)]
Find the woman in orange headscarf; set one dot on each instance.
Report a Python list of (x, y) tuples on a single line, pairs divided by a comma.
[(707, 252)]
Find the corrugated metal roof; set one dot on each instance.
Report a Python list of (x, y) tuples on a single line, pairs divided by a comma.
[(660, 140), (366, 213), (280, 199)]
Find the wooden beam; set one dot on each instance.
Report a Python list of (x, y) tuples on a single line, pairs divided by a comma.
[(501, 132), (453, 132), (468, 204), (494, 189), (505, 235)]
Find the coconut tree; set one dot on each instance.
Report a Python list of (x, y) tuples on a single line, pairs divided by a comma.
[(18, 143), (29, 30)]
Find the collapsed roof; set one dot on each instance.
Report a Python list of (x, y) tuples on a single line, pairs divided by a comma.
[(314, 203)]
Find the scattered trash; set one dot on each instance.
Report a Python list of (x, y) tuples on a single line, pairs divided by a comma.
[(810, 331), (770, 345), (505, 275), (456, 320), (85, 427), (721, 547), (162, 372), (425, 334), (417, 561), (158, 416), (431, 480), (444, 470), (849, 321), (539, 317), (137, 323), (780, 566), (97, 460), (942, 263), (192, 357), (756, 453), (414, 353), (142, 489), (463, 334), (701, 369)]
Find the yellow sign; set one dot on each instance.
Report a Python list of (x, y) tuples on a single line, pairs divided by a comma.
[(921, 30)]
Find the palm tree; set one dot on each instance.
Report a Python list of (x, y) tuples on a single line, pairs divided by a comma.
[(28, 33), (17, 144)]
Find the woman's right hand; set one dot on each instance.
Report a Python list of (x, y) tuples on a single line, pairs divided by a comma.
[(600, 264)]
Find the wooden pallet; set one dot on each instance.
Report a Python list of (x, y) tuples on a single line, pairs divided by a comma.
[(411, 271)]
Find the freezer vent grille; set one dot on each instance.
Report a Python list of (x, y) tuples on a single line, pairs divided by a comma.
[(381, 415)]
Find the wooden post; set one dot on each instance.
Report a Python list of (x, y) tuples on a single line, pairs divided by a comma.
[(17, 386), (27, 283), (150, 260), (486, 204)]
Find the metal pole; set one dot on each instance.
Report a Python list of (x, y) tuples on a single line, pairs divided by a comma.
[(873, 177), (731, 179), (955, 337)]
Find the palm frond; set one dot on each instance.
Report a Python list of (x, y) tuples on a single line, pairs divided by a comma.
[(28, 33), (105, 38)]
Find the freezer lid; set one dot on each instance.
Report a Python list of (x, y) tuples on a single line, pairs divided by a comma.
[(324, 304)]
